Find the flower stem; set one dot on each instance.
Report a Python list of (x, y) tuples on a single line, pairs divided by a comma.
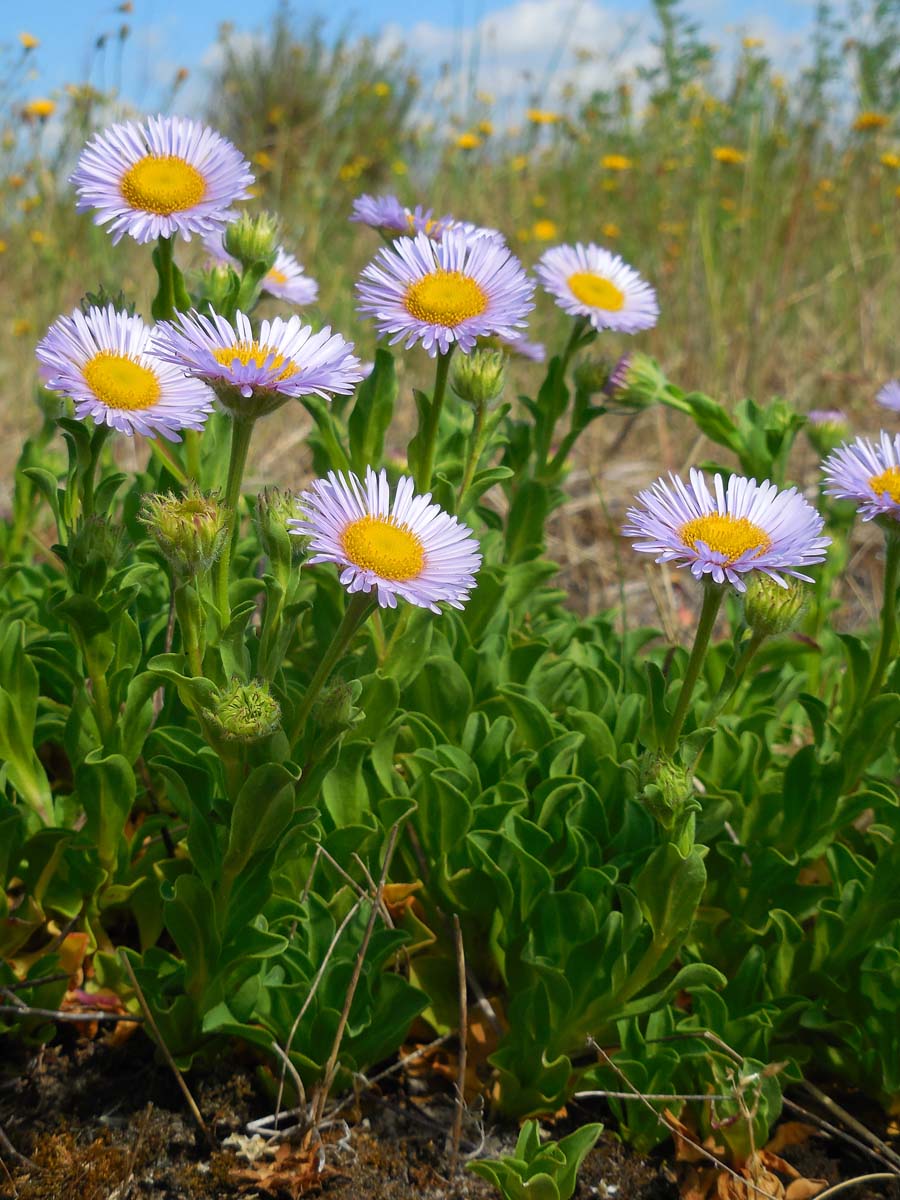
[(241, 432), (476, 447), (731, 683), (888, 617), (361, 604), (432, 421), (164, 307), (712, 598), (101, 433)]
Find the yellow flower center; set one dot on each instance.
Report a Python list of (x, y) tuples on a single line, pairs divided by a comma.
[(445, 298), (595, 291), (731, 536), (162, 184), (888, 481), (253, 354), (120, 382), (379, 544), (276, 276)]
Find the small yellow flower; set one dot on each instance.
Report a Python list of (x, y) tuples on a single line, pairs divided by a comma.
[(728, 204), (37, 237), (3, 246), (729, 154), (468, 141), (890, 160), (30, 203), (519, 162), (544, 231), (670, 164), (264, 160), (381, 88), (39, 109), (540, 116), (825, 185), (399, 167), (539, 201), (254, 192), (866, 122), (485, 98), (610, 230), (276, 114), (29, 41), (16, 181), (486, 127), (616, 162), (752, 43), (21, 327)]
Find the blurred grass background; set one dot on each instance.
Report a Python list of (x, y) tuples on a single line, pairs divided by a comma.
[(764, 209)]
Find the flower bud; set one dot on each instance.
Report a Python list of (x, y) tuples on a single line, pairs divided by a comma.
[(274, 508), (246, 712), (592, 375), (826, 428), (334, 709), (770, 608), (93, 553), (190, 530), (636, 381), (252, 239), (668, 789), (480, 377)]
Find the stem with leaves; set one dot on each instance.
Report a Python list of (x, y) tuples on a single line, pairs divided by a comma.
[(241, 432), (712, 599), (432, 422), (359, 607)]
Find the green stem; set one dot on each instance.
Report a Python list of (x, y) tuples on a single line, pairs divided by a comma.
[(98, 440), (159, 449), (188, 609), (101, 703), (476, 446), (192, 450), (888, 617), (432, 421), (361, 604), (241, 432), (712, 598), (164, 307), (731, 683)]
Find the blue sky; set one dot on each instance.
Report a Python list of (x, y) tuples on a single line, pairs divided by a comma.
[(514, 35)]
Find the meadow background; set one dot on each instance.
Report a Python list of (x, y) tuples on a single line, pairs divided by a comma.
[(761, 199)]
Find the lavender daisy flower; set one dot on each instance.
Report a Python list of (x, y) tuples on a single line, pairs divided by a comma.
[(446, 293), (102, 360), (747, 526), (826, 428), (389, 216), (407, 548), (889, 395), (520, 346), (286, 359), (591, 282), (285, 280), (167, 176), (868, 474)]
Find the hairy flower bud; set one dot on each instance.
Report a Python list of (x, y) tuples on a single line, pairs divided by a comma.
[(592, 375), (93, 553), (826, 428), (274, 508), (190, 529), (480, 377), (252, 239), (770, 608), (636, 381), (246, 712)]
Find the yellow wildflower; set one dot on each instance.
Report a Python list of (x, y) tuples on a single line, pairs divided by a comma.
[(825, 185), (486, 127), (519, 162), (30, 203), (21, 327), (670, 164), (381, 88), (610, 230), (468, 141), (752, 43), (37, 237), (264, 160), (866, 122), (29, 41), (276, 114), (540, 116), (728, 204), (485, 97), (539, 201), (16, 181), (890, 160), (39, 109), (3, 246), (729, 154), (616, 162), (399, 167), (544, 231)]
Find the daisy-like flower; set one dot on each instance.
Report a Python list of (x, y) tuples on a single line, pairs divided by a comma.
[(285, 280), (520, 346), (889, 395), (167, 176), (591, 282), (746, 526), (407, 547), (388, 215), (826, 428), (867, 473), (253, 375), (102, 360), (454, 291)]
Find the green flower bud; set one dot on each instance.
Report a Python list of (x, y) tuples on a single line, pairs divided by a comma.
[(215, 284), (480, 377), (190, 530), (93, 553), (592, 375), (826, 428), (252, 239), (274, 508), (770, 608), (246, 712), (636, 381), (334, 707), (668, 789)]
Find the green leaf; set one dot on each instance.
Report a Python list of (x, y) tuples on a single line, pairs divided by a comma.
[(262, 810), (106, 788), (371, 416)]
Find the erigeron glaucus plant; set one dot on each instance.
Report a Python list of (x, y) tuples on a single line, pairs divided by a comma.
[(216, 732)]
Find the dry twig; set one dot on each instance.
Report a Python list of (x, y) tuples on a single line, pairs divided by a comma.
[(456, 1134)]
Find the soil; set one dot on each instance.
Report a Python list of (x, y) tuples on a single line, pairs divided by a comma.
[(100, 1120)]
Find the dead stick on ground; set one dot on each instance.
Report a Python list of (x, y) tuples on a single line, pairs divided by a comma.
[(849, 1183), (456, 1136), (851, 1122), (167, 1054), (11, 1152), (331, 1065), (836, 1131), (747, 1183), (73, 1018)]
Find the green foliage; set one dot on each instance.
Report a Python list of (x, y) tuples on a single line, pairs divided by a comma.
[(538, 1171)]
